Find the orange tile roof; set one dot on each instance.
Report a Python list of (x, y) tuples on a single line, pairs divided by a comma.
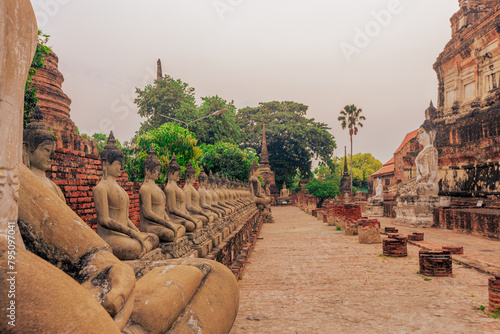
[(408, 137), (390, 162), (387, 169)]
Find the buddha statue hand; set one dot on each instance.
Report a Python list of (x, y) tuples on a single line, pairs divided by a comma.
[(122, 282), (142, 240)]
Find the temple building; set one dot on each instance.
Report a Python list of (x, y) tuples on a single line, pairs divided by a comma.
[(467, 117)]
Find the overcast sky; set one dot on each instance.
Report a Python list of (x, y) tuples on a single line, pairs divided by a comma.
[(376, 54)]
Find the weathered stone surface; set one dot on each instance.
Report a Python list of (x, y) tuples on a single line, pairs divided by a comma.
[(418, 211), (368, 232)]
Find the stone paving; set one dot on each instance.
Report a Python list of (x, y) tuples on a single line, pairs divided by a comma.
[(305, 277)]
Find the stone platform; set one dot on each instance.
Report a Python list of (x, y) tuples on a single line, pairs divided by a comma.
[(418, 211)]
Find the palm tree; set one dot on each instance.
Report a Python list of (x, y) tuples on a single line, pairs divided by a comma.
[(350, 118)]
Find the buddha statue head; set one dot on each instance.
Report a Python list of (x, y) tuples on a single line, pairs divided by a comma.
[(190, 173), (152, 166), (211, 180), (253, 169), (426, 134), (173, 170), (38, 143), (284, 185), (202, 178), (112, 158)]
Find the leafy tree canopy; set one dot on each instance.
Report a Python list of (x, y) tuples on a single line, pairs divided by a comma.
[(228, 159), (293, 140), (168, 97), (167, 139), (323, 189), (363, 165), (220, 128), (30, 98)]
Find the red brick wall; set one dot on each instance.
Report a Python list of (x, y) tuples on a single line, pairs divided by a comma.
[(77, 173)]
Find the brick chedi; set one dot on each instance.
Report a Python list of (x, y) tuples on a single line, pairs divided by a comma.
[(468, 112), (55, 106)]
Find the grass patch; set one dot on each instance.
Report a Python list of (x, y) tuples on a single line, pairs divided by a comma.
[(427, 279)]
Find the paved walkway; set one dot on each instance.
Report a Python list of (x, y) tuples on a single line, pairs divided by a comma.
[(305, 277)]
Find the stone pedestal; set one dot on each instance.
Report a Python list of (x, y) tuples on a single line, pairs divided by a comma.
[(375, 209), (435, 263), (417, 211), (368, 232), (494, 294), (340, 223), (176, 249), (351, 228), (396, 246)]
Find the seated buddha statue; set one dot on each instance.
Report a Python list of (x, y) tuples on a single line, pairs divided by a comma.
[(176, 199), (223, 196), (214, 195), (229, 193), (206, 197), (193, 198), (38, 150), (284, 193), (69, 279), (152, 201), (112, 208), (255, 187), (426, 182), (379, 194)]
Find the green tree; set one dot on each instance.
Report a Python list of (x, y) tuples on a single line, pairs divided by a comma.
[(167, 139), (323, 189), (293, 140), (167, 97), (220, 128), (228, 159), (30, 98), (350, 118), (364, 165)]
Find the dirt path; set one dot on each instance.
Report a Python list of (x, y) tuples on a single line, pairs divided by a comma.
[(305, 277)]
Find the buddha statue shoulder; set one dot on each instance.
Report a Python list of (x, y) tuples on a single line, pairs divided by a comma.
[(152, 202), (427, 162), (112, 208)]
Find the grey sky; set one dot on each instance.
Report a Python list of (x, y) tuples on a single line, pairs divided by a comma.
[(254, 51)]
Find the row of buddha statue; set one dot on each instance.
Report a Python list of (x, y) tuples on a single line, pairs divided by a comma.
[(67, 277), (165, 215)]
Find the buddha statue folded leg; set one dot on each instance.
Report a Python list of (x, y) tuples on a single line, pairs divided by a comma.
[(127, 248), (165, 234), (205, 294)]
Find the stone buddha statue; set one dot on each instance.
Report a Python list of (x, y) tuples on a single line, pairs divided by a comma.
[(38, 150), (152, 201), (176, 200), (284, 193), (112, 208), (427, 162), (256, 187), (216, 202), (379, 194), (221, 195), (206, 197), (193, 198), (426, 182), (222, 186), (230, 195)]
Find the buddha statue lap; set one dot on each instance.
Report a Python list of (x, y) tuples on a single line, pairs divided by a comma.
[(152, 201), (176, 200), (112, 208)]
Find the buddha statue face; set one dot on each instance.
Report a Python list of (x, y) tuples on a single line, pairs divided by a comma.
[(153, 174), (114, 169), (41, 157), (190, 174)]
